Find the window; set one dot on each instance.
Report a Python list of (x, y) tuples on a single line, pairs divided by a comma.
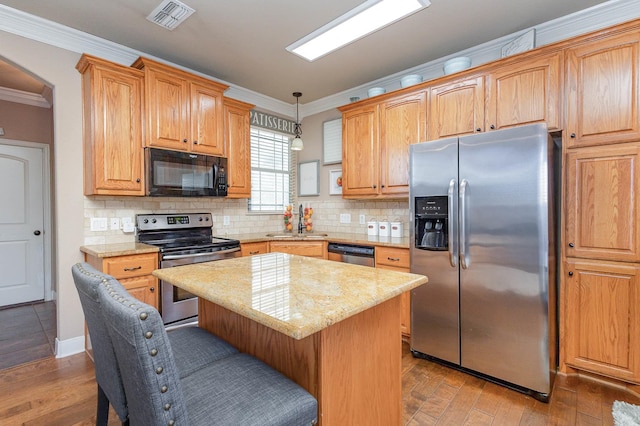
[(270, 171)]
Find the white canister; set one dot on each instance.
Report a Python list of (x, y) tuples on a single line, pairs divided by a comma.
[(396, 229), (383, 229), (372, 228)]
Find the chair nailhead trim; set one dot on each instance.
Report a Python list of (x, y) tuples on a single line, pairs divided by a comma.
[(148, 335), (172, 422), (159, 370), (167, 407), (143, 316), (164, 389), (153, 352)]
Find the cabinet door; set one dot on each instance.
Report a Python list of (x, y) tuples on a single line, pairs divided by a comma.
[(602, 319), (207, 123), (167, 111), (456, 108), (525, 92), (402, 123), (360, 153), (397, 259), (238, 146), (144, 288), (601, 209), (113, 131), (602, 91)]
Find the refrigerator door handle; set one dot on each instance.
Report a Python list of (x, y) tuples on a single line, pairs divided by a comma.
[(464, 259), (452, 243)]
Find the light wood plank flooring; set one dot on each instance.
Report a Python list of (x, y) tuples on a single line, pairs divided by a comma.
[(63, 392)]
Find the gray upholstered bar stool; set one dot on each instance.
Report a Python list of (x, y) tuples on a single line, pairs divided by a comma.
[(194, 347), (236, 390)]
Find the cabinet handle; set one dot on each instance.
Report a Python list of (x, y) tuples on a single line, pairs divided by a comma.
[(254, 252), (393, 259), (152, 289), (570, 273), (478, 129), (138, 180), (381, 186), (492, 127), (571, 245), (375, 186), (573, 135), (135, 268), (184, 140), (195, 142)]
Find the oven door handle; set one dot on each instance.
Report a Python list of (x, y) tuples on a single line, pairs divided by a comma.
[(183, 256)]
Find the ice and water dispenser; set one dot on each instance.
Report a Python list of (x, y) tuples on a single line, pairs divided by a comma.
[(432, 223)]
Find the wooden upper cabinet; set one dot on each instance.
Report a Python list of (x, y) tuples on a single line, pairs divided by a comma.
[(237, 128), (602, 324), (184, 112), (360, 169), (402, 123), (207, 120), (602, 91), (524, 92), (112, 116), (601, 208), (456, 108)]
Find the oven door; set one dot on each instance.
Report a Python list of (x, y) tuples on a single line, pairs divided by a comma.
[(177, 304)]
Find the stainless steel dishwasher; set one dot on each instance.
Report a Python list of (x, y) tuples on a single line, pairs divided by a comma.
[(351, 253)]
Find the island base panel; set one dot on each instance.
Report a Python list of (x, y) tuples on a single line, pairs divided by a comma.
[(353, 368)]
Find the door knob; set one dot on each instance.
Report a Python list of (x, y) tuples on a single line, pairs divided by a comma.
[(36, 232)]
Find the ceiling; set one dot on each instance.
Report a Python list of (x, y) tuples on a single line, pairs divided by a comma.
[(243, 41)]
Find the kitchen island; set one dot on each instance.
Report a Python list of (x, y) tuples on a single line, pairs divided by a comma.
[(333, 328)]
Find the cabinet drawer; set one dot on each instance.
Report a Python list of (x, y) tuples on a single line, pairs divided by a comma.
[(395, 257), (130, 266), (250, 249)]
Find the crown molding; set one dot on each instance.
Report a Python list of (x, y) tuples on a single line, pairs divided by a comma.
[(600, 16), (582, 22), (26, 98)]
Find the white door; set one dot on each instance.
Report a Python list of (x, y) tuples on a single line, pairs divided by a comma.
[(21, 225)]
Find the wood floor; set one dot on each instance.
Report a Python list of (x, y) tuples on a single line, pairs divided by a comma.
[(63, 392)]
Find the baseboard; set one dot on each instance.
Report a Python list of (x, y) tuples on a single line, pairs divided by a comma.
[(630, 388), (69, 347)]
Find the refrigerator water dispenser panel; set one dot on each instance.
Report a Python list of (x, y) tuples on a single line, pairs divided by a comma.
[(431, 223)]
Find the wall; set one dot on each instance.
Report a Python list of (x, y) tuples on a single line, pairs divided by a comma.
[(26, 122), (57, 67)]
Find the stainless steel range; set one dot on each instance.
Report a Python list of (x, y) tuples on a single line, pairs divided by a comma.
[(183, 239)]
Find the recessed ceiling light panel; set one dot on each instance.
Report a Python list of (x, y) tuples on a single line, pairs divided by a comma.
[(170, 13), (369, 17)]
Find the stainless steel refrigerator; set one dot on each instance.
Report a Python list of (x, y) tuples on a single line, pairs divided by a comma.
[(483, 225)]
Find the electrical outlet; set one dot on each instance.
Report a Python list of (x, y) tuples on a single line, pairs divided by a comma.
[(225, 220), (114, 223), (345, 218), (362, 219), (99, 224)]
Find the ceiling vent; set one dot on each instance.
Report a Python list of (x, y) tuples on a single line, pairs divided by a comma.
[(170, 13)]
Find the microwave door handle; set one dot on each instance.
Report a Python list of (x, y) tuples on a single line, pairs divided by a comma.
[(465, 261), (182, 256), (452, 243)]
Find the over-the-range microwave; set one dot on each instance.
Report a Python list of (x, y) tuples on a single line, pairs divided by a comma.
[(183, 174)]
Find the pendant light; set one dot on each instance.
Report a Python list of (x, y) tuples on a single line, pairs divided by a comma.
[(296, 144)]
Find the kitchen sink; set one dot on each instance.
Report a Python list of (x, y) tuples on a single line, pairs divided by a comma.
[(281, 235), (310, 236), (315, 235)]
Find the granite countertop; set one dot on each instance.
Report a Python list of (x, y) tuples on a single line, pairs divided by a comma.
[(118, 249), (347, 238), (295, 295)]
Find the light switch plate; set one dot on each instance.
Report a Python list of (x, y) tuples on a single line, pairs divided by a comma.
[(99, 224), (345, 218), (362, 219), (225, 220), (114, 223)]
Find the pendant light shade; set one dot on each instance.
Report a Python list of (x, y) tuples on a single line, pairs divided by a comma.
[(297, 144)]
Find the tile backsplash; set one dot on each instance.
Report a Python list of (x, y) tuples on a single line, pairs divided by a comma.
[(326, 215)]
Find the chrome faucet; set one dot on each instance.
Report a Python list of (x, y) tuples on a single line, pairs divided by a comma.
[(300, 217)]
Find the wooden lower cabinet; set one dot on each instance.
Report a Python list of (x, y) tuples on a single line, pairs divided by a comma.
[(133, 272), (251, 249), (602, 318), (397, 259), (302, 248)]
